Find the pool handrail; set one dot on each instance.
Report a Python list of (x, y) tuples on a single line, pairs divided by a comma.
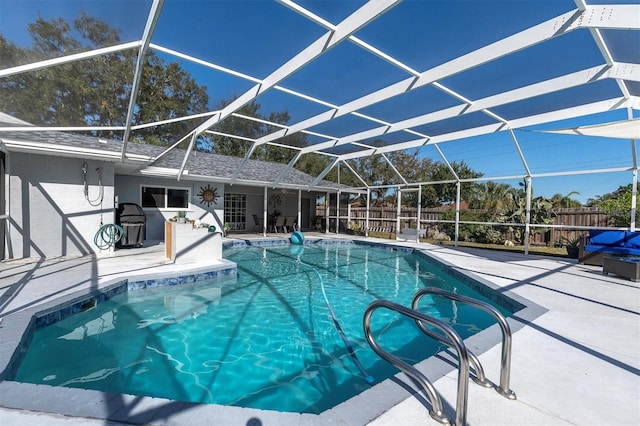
[(480, 377), (505, 362), (436, 411)]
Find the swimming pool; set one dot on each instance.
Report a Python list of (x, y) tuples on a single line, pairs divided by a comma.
[(262, 340)]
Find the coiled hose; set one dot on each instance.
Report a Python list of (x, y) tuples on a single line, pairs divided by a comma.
[(107, 236)]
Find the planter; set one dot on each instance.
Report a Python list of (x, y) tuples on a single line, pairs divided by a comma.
[(572, 252)]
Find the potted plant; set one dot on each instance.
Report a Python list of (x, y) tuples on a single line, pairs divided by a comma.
[(227, 227), (572, 246), (354, 229), (182, 217)]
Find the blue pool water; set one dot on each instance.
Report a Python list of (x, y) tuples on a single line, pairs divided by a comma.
[(264, 340)]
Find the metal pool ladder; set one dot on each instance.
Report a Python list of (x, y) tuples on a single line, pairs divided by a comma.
[(452, 339)]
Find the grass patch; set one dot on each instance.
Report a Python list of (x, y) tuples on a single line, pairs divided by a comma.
[(540, 250)]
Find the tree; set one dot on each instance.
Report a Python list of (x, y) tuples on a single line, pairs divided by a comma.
[(490, 196), (564, 201), (616, 204), (446, 193), (312, 163), (167, 91), (621, 191), (409, 165), (375, 171), (249, 130), (234, 125), (279, 153), (96, 91)]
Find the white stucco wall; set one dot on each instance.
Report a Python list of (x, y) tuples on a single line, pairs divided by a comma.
[(128, 190), (49, 215)]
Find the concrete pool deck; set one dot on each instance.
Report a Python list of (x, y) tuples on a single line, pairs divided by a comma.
[(576, 364)]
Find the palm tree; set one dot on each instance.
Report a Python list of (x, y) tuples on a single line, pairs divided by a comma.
[(491, 196), (560, 201), (557, 200), (568, 202)]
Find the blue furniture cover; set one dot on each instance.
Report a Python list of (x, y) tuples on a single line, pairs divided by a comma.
[(614, 242)]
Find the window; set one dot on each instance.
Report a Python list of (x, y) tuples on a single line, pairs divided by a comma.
[(235, 211), (165, 198), (178, 198)]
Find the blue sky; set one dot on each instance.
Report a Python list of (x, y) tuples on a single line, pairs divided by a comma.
[(256, 37)]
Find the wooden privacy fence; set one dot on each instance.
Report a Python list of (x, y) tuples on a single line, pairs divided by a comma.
[(383, 219), (573, 217)]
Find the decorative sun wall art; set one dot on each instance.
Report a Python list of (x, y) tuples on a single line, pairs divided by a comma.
[(208, 195)]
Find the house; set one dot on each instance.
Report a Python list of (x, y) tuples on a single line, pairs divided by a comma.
[(58, 189)]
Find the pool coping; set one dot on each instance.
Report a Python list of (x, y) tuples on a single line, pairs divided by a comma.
[(357, 410)]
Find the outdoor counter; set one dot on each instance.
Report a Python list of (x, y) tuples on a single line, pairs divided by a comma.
[(186, 243)]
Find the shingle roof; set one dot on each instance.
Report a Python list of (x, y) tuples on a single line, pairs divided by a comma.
[(57, 138), (201, 164), (224, 167)]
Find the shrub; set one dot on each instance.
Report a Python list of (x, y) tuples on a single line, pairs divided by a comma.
[(466, 231), (487, 234)]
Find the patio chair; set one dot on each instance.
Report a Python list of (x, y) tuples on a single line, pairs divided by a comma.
[(290, 224), (279, 224), (258, 225)]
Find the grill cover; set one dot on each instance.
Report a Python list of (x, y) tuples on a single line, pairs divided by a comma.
[(132, 219)]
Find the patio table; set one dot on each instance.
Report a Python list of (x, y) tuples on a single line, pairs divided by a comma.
[(627, 267)]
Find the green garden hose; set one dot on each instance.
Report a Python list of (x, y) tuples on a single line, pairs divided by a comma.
[(107, 236)]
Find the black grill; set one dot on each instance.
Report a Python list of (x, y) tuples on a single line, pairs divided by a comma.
[(132, 219)]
